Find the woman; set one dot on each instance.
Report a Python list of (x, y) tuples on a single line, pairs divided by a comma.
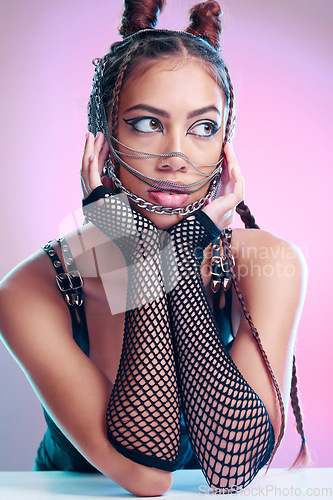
[(180, 386)]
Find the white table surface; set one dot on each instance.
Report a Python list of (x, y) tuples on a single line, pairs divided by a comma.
[(277, 483)]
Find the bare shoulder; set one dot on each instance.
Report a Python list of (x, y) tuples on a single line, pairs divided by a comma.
[(35, 276), (262, 253), (29, 277), (27, 292), (271, 273)]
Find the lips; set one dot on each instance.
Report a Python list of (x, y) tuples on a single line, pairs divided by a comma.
[(170, 197)]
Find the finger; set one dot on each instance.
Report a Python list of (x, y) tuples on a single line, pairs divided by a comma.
[(235, 192), (87, 152), (84, 188), (90, 172), (102, 157), (92, 147), (229, 162), (96, 162), (94, 178), (239, 186), (222, 209), (98, 144), (230, 157)]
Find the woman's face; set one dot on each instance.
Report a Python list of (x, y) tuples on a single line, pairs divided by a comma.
[(170, 105)]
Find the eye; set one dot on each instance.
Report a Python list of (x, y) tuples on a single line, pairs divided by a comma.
[(206, 128), (145, 124)]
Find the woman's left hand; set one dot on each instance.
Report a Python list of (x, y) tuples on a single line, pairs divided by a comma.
[(95, 153), (222, 210)]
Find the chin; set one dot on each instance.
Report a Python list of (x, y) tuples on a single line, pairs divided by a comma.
[(161, 221)]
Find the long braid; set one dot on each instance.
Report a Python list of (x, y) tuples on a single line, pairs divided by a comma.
[(114, 109), (246, 216), (303, 456), (228, 127)]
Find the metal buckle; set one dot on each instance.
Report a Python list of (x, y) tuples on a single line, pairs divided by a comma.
[(63, 282), (69, 281), (219, 265), (76, 280)]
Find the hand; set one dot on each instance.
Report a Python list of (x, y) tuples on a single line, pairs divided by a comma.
[(222, 210), (94, 156)]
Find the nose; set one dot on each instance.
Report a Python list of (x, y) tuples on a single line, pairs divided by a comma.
[(174, 162)]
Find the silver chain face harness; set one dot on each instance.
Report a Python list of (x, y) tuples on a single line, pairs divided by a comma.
[(97, 120)]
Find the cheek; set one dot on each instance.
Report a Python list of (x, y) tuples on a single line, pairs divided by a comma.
[(144, 165), (208, 150), (206, 157)]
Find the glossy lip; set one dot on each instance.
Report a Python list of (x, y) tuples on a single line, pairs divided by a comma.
[(167, 199)]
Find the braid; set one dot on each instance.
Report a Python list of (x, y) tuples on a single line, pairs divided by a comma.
[(303, 456), (256, 336), (246, 216), (114, 108), (229, 125)]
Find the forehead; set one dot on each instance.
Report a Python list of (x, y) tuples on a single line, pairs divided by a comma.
[(185, 81)]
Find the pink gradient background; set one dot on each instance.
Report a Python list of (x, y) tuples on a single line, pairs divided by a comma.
[(279, 55)]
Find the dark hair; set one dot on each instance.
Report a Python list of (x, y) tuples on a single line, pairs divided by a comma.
[(200, 40)]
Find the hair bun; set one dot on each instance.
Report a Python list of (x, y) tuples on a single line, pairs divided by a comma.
[(205, 19), (139, 15)]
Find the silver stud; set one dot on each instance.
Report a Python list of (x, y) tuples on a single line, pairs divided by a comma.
[(47, 245), (51, 252), (59, 240), (57, 263), (64, 248), (69, 261)]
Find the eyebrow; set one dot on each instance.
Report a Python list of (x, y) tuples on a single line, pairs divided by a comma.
[(151, 109), (165, 114), (202, 111)]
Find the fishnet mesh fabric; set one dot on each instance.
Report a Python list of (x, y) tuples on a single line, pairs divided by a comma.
[(228, 425), (143, 414)]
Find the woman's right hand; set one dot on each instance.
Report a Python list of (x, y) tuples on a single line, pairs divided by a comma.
[(222, 209), (94, 156)]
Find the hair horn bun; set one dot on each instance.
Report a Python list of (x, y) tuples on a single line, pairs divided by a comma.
[(139, 15), (205, 21)]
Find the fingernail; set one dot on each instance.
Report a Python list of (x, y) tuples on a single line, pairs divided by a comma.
[(98, 134), (87, 135), (92, 157)]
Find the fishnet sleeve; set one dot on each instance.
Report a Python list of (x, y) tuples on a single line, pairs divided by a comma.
[(143, 414), (228, 425)]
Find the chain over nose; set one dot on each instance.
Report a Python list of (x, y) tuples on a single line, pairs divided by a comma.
[(174, 163), (174, 158)]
